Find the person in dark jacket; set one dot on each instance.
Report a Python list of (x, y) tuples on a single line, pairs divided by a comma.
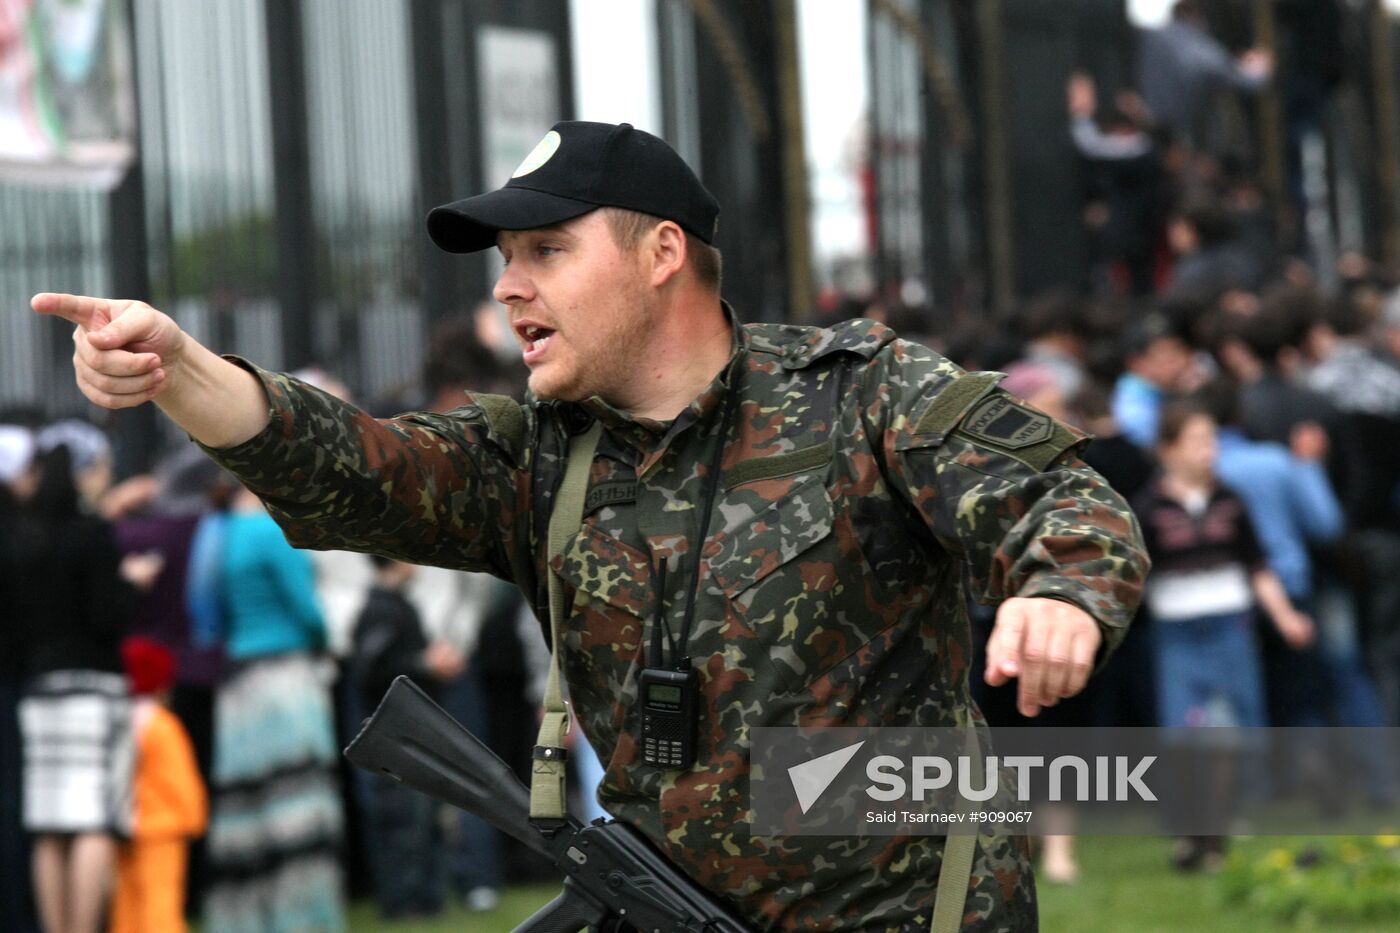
[(388, 641), (16, 479), (72, 603)]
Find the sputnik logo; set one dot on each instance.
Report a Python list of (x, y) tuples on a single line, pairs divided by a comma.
[(811, 778)]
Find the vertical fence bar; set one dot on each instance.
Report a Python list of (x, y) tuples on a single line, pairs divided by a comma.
[(295, 230)]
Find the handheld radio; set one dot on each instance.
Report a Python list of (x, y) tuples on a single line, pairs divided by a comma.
[(670, 712)]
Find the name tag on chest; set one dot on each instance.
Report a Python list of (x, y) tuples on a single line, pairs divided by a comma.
[(612, 492)]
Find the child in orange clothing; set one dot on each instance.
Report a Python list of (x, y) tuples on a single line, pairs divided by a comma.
[(171, 805)]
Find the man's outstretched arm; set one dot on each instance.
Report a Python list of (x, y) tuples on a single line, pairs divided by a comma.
[(126, 353), (1042, 534)]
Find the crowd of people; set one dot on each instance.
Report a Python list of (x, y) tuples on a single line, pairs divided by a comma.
[(176, 682), (1244, 395), (1255, 434)]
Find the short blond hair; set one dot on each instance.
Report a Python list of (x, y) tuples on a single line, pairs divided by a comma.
[(628, 227)]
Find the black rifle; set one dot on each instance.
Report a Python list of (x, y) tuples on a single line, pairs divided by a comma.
[(613, 877)]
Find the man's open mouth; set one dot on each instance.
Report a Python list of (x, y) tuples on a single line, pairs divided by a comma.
[(536, 340)]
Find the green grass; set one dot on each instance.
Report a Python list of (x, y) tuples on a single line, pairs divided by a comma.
[(1126, 883), (1126, 886), (516, 905)]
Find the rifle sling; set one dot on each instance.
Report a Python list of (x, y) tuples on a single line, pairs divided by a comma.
[(950, 897), (547, 794)]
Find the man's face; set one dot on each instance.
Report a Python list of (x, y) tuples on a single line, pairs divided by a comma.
[(579, 307), (1164, 363)]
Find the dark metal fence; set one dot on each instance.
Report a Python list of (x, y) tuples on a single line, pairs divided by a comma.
[(288, 154), (48, 240)]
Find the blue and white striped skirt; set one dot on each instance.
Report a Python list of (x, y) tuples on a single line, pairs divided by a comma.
[(276, 823)]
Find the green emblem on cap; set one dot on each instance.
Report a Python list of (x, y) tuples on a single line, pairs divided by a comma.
[(539, 155)]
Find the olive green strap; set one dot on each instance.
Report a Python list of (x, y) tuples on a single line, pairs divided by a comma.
[(950, 897), (547, 796), (950, 404)]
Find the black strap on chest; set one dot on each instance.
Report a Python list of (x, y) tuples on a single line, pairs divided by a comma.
[(731, 403)]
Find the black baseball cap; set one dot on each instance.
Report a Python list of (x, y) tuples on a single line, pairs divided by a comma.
[(576, 168)]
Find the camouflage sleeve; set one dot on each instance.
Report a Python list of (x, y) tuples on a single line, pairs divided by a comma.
[(1000, 484), (442, 489)]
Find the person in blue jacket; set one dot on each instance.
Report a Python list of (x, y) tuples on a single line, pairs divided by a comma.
[(276, 819)]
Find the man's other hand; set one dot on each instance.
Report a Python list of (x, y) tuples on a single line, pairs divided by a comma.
[(445, 661), (1048, 643), (125, 352)]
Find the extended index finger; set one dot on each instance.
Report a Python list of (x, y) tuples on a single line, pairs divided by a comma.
[(76, 309)]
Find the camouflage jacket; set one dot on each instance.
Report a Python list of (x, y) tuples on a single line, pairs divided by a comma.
[(859, 473)]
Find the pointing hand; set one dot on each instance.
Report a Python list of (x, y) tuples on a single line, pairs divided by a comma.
[(125, 352), (1048, 643)]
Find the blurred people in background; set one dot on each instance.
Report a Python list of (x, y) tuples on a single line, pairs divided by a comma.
[(1181, 69), (157, 516), (1291, 507), (1158, 364), (1057, 337), (1208, 573), (1312, 62), (1124, 187), (171, 805), (1357, 370), (1302, 524), (1211, 253), (343, 581), (1351, 365), (277, 820), (388, 640), (89, 455), (461, 612), (453, 607), (68, 595), (1262, 352), (1037, 384), (17, 479)]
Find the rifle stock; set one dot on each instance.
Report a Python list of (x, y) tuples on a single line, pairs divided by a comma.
[(613, 874), (415, 741)]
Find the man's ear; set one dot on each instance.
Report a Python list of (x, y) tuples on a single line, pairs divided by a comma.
[(668, 252)]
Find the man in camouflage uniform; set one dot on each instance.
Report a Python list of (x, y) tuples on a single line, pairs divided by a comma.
[(858, 474)]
